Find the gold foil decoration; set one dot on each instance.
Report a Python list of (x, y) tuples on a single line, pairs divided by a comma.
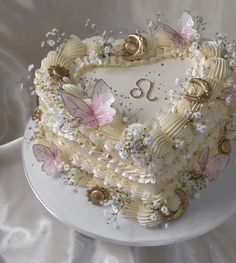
[(57, 73), (206, 93), (135, 47), (98, 195), (182, 209), (224, 146)]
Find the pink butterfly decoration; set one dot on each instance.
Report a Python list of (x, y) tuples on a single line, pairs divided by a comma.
[(212, 167), (173, 35), (185, 31), (185, 27), (50, 158), (97, 114)]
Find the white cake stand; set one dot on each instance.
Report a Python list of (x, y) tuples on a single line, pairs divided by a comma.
[(216, 204)]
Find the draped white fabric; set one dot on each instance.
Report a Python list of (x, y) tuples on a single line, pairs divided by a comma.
[(28, 233)]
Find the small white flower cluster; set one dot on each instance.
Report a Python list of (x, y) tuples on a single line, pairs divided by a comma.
[(230, 55), (197, 115), (94, 58), (135, 143), (179, 144), (154, 26), (203, 71), (189, 73), (194, 47), (30, 67), (188, 112), (114, 206), (105, 46), (193, 182), (201, 127), (153, 216), (53, 38), (185, 177), (160, 208), (173, 94), (228, 100)]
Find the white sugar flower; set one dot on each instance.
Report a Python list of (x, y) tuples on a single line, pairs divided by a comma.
[(147, 140), (115, 209), (179, 144), (228, 100), (188, 112), (153, 216), (165, 210), (201, 127), (101, 41), (197, 115), (123, 154), (51, 42), (171, 93), (177, 81), (232, 63), (193, 47), (94, 58), (189, 72), (30, 67), (66, 167), (203, 73), (107, 50)]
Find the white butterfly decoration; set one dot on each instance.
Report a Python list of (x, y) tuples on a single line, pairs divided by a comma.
[(51, 158), (97, 114), (212, 167), (185, 31)]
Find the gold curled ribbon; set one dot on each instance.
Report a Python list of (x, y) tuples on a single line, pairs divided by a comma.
[(206, 93), (135, 47), (182, 208)]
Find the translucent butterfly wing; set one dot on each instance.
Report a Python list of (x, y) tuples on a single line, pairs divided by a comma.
[(80, 109), (216, 165), (42, 152), (56, 152), (45, 155), (49, 166), (173, 35), (101, 103), (185, 27), (202, 163)]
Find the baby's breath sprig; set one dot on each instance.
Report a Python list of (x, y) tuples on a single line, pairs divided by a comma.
[(200, 23), (115, 206), (54, 38)]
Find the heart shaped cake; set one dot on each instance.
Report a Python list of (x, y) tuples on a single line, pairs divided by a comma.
[(144, 122)]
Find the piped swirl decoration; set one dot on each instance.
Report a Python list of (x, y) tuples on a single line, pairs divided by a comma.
[(135, 47)]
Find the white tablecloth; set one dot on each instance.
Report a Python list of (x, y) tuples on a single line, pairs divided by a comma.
[(28, 233)]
